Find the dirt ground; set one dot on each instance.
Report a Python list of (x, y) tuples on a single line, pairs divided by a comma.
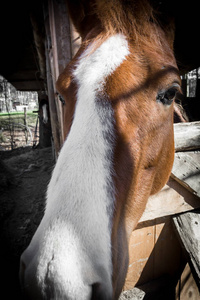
[(25, 174)]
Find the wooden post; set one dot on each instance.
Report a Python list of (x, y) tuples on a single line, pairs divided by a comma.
[(51, 98), (60, 53), (25, 123)]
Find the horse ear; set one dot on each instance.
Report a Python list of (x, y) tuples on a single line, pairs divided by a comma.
[(82, 15)]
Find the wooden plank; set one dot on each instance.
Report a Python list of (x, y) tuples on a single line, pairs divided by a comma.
[(187, 136), (171, 200), (186, 170), (188, 228)]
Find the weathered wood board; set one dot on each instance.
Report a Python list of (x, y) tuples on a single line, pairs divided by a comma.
[(187, 136), (188, 228), (186, 170)]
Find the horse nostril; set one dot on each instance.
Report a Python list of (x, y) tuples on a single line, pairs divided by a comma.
[(99, 292)]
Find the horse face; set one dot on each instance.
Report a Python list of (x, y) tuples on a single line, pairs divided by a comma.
[(118, 151)]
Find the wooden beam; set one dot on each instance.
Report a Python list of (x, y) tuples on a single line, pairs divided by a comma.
[(187, 136), (188, 228), (28, 85)]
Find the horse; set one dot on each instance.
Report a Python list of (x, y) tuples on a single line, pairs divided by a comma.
[(119, 93), (44, 108)]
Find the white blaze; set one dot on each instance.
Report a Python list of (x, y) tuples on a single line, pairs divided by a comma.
[(72, 245)]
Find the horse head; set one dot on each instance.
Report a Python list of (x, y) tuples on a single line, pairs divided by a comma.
[(119, 91)]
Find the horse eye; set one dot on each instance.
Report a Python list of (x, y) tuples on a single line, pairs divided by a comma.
[(166, 97)]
